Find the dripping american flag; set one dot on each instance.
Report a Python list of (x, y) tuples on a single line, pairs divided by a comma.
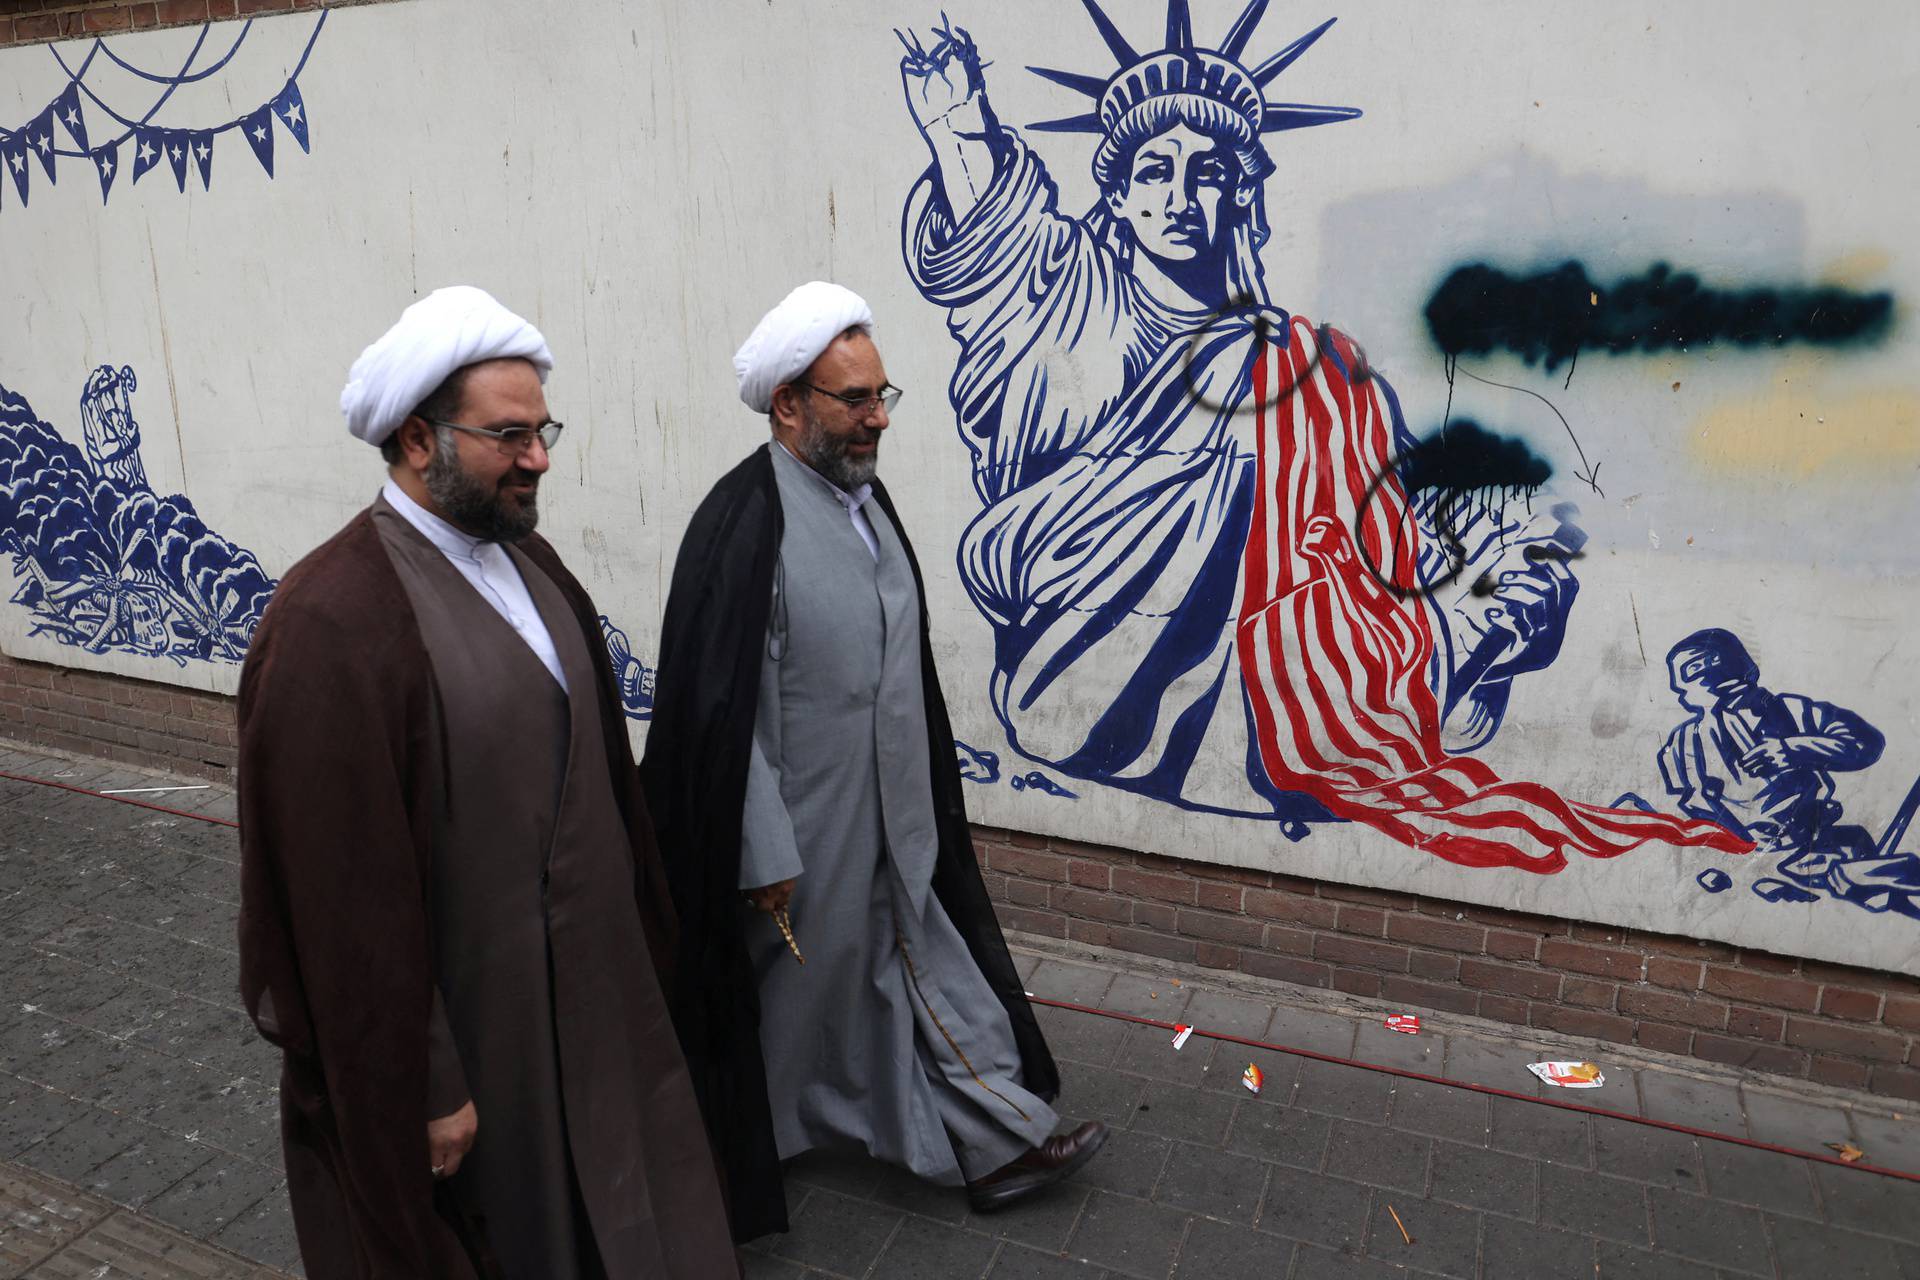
[(1336, 665)]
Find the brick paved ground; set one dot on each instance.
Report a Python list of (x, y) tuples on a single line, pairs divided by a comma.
[(137, 1116), (130, 1075)]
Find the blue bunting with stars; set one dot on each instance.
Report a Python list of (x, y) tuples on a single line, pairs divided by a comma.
[(257, 129), (106, 162), (150, 146), (13, 154), (60, 130)]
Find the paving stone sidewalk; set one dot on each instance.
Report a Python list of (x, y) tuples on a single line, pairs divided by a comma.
[(132, 1085), (130, 1079)]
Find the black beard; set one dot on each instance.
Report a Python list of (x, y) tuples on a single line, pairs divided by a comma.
[(473, 506), (827, 454)]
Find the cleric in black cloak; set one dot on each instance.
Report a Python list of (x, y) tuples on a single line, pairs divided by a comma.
[(453, 912), (802, 772)]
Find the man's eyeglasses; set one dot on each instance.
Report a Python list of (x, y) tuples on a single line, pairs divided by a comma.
[(512, 439), (888, 395)]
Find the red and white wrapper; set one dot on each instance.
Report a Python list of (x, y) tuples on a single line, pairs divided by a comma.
[(1180, 1033), (1404, 1022), (1252, 1078), (1569, 1075)]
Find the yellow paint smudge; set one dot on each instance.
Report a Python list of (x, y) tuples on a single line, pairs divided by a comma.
[(1805, 425), (1858, 270)]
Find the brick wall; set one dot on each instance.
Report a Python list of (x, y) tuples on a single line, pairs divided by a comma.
[(1837, 1025), (33, 21), (1830, 1023), (133, 721)]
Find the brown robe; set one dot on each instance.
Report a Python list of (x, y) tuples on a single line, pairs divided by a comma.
[(420, 802)]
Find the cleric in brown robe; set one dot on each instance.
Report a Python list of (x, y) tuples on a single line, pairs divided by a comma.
[(455, 924)]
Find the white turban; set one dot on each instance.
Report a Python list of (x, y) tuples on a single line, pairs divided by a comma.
[(448, 329), (792, 335)]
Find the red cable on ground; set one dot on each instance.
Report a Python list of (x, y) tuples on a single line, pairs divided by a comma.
[(1337, 1060), (1494, 1090), (144, 804)]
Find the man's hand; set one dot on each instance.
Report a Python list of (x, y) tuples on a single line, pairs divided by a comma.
[(1523, 569), (450, 1138), (771, 897)]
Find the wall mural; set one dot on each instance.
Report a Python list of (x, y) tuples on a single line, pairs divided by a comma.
[(634, 677), (103, 562), (1761, 764), (1207, 532), (82, 113)]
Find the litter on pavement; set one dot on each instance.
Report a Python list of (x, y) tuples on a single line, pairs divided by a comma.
[(1569, 1075)]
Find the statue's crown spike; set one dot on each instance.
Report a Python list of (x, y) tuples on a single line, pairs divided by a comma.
[(1220, 74)]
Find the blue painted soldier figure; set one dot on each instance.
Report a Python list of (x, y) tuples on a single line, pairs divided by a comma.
[(1761, 763)]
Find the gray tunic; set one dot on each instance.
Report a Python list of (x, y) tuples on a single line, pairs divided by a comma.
[(590, 1158), (888, 1038)]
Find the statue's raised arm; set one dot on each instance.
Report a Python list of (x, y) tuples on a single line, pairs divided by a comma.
[(947, 94)]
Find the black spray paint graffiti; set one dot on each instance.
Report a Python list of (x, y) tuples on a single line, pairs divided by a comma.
[(1268, 325), (1588, 473), (1460, 465), (1552, 316), (1464, 456), (1454, 469)]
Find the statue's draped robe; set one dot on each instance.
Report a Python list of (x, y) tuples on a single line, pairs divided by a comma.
[(1176, 511), (451, 890), (888, 1038)]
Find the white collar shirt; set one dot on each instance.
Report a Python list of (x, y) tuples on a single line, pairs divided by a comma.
[(491, 571), (853, 502)]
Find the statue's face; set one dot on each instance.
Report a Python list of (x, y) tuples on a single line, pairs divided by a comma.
[(1178, 186)]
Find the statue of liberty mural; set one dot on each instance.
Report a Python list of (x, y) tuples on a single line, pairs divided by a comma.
[(1208, 583)]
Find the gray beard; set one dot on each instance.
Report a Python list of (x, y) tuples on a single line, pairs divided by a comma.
[(471, 505), (827, 454)]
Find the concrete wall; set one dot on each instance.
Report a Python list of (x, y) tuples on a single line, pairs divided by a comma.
[(644, 181)]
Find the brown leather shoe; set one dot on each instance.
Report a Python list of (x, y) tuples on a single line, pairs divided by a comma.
[(1058, 1157)]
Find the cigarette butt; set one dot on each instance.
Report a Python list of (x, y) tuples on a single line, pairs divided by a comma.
[(1400, 1224), (786, 931)]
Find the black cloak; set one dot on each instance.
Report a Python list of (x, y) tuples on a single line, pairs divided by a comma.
[(695, 772)]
